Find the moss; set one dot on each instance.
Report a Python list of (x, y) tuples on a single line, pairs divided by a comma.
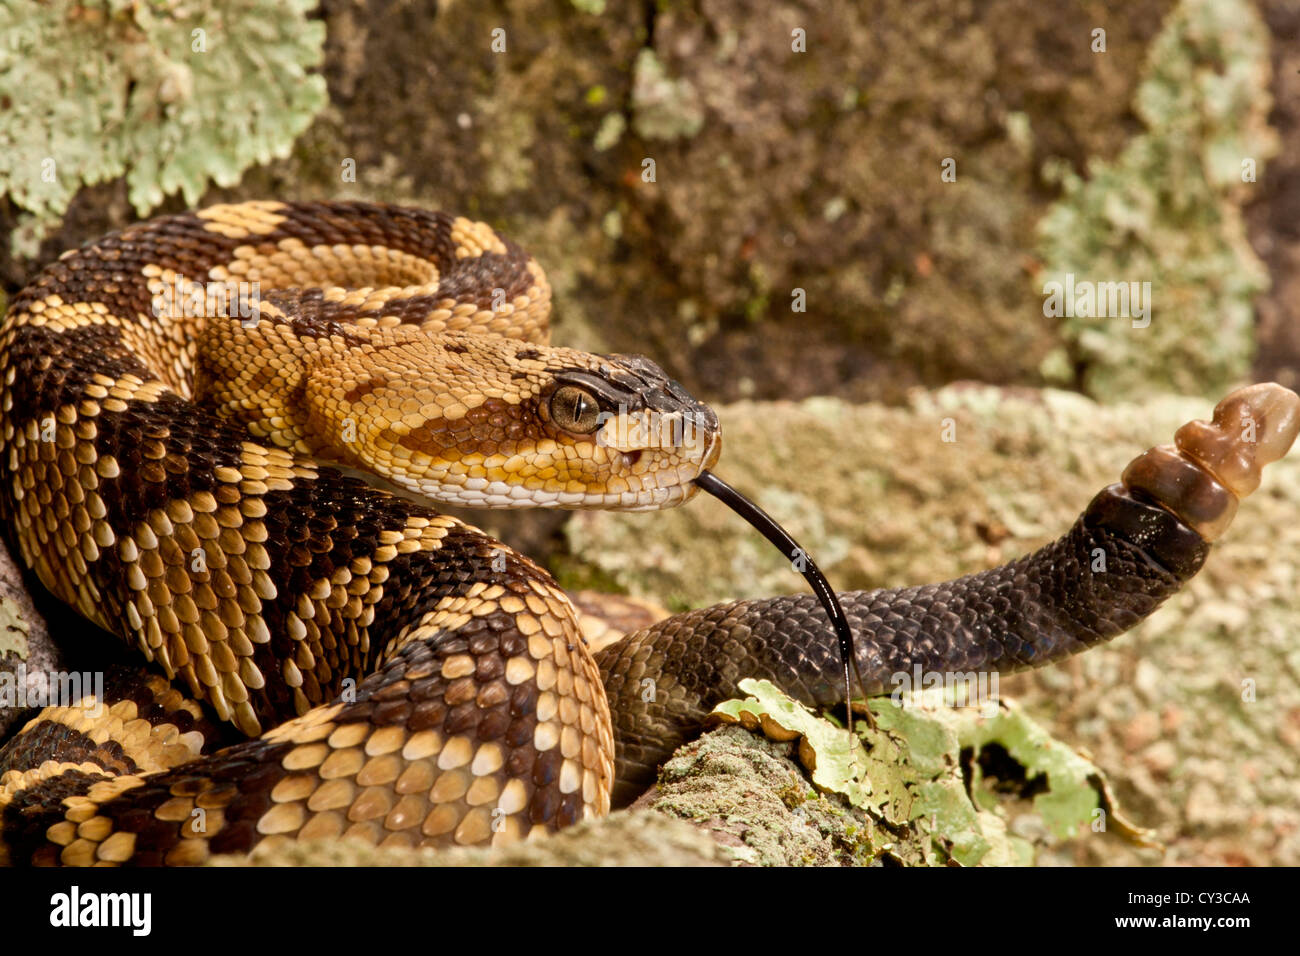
[(788, 137), (610, 132)]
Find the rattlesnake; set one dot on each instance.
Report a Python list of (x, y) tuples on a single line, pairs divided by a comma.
[(181, 472)]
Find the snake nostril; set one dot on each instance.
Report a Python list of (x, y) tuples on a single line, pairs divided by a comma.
[(630, 458)]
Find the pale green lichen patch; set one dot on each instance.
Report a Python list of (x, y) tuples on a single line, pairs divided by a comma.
[(663, 107), (171, 95), (1167, 212), (13, 630), (969, 810), (1071, 799), (924, 775), (833, 756)]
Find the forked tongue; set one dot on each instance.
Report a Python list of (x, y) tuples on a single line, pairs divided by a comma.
[(768, 528)]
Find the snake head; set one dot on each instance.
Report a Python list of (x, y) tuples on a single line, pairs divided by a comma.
[(481, 421), (645, 421)]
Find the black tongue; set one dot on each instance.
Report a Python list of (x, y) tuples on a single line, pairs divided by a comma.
[(768, 528)]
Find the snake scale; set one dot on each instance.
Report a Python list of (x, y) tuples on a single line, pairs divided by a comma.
[(329, 657)]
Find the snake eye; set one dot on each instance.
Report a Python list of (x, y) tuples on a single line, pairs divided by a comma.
[(575, 410)]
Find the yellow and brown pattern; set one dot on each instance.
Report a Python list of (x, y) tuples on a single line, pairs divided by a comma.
[(177, 467), (467, 708)]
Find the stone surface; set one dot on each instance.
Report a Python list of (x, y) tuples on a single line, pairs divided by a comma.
[(889, 502)]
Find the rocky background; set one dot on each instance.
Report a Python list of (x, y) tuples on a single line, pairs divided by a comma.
[(755, 196)]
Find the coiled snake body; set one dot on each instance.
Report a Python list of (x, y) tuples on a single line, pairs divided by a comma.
[(180, 473)]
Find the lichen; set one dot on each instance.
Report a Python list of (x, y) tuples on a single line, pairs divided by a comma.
[(1167, 211), (663, 107), (919, 796), (832, 755), (171, 95), (13, 630), (750, 795)]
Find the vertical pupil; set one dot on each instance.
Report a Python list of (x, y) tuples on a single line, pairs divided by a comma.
[(572, 407)]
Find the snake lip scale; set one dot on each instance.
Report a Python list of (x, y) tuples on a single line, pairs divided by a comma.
[(329, 657)]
